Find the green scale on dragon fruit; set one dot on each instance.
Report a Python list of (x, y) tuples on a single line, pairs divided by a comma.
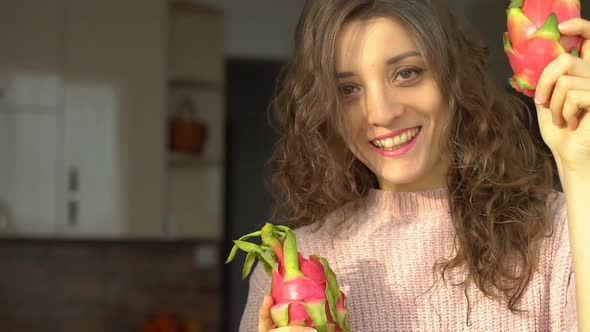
[(533, 39), (305, 292)]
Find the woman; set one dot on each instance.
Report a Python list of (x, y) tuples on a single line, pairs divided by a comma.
[(415, 177)]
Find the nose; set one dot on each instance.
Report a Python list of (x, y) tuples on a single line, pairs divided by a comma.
[(381, 106)]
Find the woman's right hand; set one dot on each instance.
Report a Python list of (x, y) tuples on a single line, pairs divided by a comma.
[(265, 321)]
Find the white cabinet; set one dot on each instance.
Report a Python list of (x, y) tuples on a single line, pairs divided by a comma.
[(114, 72), (93, 194), (30, 116), (28, 173), (82, 109)]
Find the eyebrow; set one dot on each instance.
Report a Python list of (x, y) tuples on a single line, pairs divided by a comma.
[(389, 62)]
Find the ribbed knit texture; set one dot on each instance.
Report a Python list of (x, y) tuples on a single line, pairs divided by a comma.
[(384, 261)]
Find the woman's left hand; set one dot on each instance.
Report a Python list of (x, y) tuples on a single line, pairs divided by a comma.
[(563, 102)]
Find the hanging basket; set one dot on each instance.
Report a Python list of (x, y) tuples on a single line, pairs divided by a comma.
[(187, 134)]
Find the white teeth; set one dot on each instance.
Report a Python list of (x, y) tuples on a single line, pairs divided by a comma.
[(387, 143), (394, 142)]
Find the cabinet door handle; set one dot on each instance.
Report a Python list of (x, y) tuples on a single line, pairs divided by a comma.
[(72, 213), (73, 180)]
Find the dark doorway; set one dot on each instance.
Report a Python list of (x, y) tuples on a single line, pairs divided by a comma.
[(249, 142)]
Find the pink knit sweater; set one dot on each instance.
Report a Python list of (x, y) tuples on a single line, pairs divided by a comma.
[(384, 263)]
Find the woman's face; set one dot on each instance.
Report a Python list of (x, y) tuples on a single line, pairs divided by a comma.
[(394, 110)]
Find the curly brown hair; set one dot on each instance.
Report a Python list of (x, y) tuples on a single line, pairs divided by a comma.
[(499, 177)]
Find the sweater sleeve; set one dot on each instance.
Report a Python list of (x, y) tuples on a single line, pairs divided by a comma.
[(259, 285), (570, 314), (562, 287)]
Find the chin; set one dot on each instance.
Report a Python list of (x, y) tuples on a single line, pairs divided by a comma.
[(396, 182)]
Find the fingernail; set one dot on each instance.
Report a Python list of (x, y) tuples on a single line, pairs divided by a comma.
[(555, 120), (539, 98), (573, 125)]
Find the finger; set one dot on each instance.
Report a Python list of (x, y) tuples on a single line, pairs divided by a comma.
[(565, 64), (576, 101), (585, 50), (264, 319), (578, 27), (575, 27), (564, 84)]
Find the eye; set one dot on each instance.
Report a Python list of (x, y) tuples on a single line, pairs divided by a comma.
[(408, 74), (348, 89)]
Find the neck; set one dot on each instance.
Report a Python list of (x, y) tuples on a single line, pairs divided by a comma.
[(435, 179)]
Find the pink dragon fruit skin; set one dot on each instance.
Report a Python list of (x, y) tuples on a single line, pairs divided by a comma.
[(533, 39), (304, 291)]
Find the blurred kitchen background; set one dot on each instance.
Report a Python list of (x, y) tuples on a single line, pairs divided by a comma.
[(133, 138)]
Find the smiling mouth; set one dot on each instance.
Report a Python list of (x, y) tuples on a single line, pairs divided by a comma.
[(397, 141)]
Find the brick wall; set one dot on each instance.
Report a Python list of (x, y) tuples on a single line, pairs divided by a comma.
[(103, 286)]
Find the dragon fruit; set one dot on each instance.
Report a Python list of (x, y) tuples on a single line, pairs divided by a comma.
[(304, 291), (533, 39)]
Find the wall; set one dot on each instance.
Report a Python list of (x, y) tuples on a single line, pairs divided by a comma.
[(258, 28)]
